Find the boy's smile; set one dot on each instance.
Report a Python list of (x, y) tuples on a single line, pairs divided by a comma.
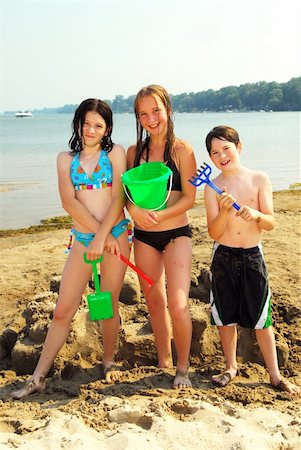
[(224, 154)]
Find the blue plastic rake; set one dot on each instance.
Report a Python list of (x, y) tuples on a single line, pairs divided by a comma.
[(203, 176)]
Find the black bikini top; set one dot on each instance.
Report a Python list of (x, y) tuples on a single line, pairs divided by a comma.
[(176, 178)]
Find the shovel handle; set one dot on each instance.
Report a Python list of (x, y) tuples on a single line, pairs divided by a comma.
[(95, 273), (91, 261)]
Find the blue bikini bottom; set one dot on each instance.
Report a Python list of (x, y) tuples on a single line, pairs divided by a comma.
[(86, 238)]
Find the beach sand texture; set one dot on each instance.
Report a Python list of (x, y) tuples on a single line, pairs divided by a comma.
[(78, 410)]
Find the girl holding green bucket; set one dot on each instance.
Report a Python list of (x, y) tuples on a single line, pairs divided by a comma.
[(162, 235), (91, 192)]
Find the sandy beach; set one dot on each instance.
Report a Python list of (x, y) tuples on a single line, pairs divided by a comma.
[(78, 410)]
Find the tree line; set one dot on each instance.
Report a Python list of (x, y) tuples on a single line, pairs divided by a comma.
[(260, 96)]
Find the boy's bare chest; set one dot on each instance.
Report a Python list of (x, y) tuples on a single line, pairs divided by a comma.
[(246, 193)]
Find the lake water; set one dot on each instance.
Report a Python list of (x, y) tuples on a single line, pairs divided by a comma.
[(29, 147)]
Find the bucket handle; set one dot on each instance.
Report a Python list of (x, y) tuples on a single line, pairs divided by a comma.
[(158, 207)]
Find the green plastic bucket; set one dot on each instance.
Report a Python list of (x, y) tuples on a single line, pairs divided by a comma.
[(146, 185)]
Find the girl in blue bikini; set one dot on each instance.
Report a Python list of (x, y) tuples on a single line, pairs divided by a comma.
[(91, 192)]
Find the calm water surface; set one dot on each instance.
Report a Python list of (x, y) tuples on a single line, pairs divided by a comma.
[(29, 147)]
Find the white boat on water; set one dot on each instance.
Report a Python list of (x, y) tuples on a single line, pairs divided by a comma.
[(23, 114)]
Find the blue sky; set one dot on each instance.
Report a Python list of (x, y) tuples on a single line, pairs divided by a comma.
[(58, 52)]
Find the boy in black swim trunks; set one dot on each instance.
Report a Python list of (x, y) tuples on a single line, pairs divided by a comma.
[(240, 292)]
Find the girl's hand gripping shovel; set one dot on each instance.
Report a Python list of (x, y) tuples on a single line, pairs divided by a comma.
[(100, 304)]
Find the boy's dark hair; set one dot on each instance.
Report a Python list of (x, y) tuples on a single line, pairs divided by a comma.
[(224, 133), (103, 109)]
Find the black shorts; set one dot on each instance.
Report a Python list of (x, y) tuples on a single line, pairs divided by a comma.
[(159, 239), (240, 291)]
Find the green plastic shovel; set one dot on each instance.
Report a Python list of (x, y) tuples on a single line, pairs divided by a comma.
[(100, 304)]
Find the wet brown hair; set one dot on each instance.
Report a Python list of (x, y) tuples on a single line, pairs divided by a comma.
[(223, 133), (103, 109), (143, 139)]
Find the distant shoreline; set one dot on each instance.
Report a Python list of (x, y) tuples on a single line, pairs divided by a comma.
[(42, 112), (261, 96)]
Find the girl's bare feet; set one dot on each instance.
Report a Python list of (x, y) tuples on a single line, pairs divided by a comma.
[(112, 372), (285, 385), (181, 380), (30, 387)]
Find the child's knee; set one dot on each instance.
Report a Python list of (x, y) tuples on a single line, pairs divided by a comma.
[(63, 314), (179, 311), (156, 305)]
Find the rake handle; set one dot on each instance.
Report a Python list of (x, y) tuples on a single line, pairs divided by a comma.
[(203, 177), (219, 191)]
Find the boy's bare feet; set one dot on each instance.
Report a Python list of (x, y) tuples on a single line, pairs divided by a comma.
[(285, 385), (112, 373), (181, 380), (224, 378), (30, 387)]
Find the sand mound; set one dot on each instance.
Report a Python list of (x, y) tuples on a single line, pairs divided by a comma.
[(78, 410)]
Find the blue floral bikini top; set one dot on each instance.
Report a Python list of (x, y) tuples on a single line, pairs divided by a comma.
[(101, 177)]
